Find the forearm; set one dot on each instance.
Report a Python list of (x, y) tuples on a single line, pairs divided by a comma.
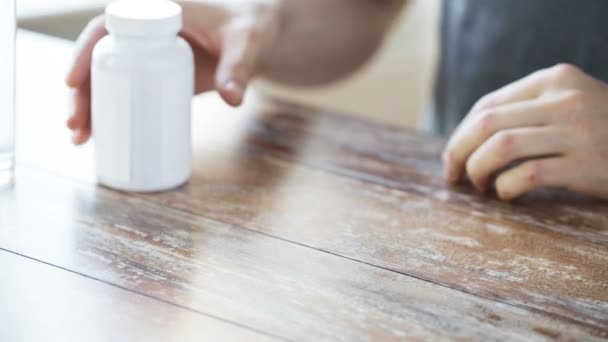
[(321, 41)]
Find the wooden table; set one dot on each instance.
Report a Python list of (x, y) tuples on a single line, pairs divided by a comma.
[(294, 227)]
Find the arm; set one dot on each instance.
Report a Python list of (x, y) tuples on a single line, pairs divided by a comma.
[(322, 40), (297, 42)]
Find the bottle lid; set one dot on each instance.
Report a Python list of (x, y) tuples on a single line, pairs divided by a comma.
[(144, 17)]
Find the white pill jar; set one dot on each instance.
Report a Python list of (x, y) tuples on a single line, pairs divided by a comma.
[(142, 82)]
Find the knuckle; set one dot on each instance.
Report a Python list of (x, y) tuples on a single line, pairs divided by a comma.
[(533, 174), (564, 72), (487, 122), (485, 102), (504, 143)]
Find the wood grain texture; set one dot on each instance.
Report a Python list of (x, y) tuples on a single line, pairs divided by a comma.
[(222, 270), (44, 303), (410, 161), (478, 251), (317, 227)]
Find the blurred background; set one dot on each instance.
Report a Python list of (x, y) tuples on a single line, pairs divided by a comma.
[(393, 89)]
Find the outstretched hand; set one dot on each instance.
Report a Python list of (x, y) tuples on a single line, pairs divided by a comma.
[(229, 44)]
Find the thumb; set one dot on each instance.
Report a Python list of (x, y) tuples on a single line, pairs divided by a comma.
[(81, 66), (238, 62)]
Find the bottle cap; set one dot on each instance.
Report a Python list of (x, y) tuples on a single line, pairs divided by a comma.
[(144, 17)]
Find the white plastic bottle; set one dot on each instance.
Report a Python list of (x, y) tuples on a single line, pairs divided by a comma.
[(142, 85)]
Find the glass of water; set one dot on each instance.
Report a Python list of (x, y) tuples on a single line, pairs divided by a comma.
[(7, 93)]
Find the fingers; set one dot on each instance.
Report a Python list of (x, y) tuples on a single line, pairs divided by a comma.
[(487, 123), (542, 120), (509, 146), (82, 136), (523, 90), (238, 62), (527, 88), (80, 122), (81, 67), (531, 175), (79, 78)]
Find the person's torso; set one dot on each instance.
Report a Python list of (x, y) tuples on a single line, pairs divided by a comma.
[(487, 44)]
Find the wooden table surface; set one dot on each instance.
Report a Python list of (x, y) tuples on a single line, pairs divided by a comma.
[(294, 227)]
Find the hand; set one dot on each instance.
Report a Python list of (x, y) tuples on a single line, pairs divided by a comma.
[(549, 129), (229, 45)]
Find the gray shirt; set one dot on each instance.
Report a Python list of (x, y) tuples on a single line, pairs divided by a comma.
[(487, 44)]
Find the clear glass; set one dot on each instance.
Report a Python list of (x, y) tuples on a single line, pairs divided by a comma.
[(7, 92)]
